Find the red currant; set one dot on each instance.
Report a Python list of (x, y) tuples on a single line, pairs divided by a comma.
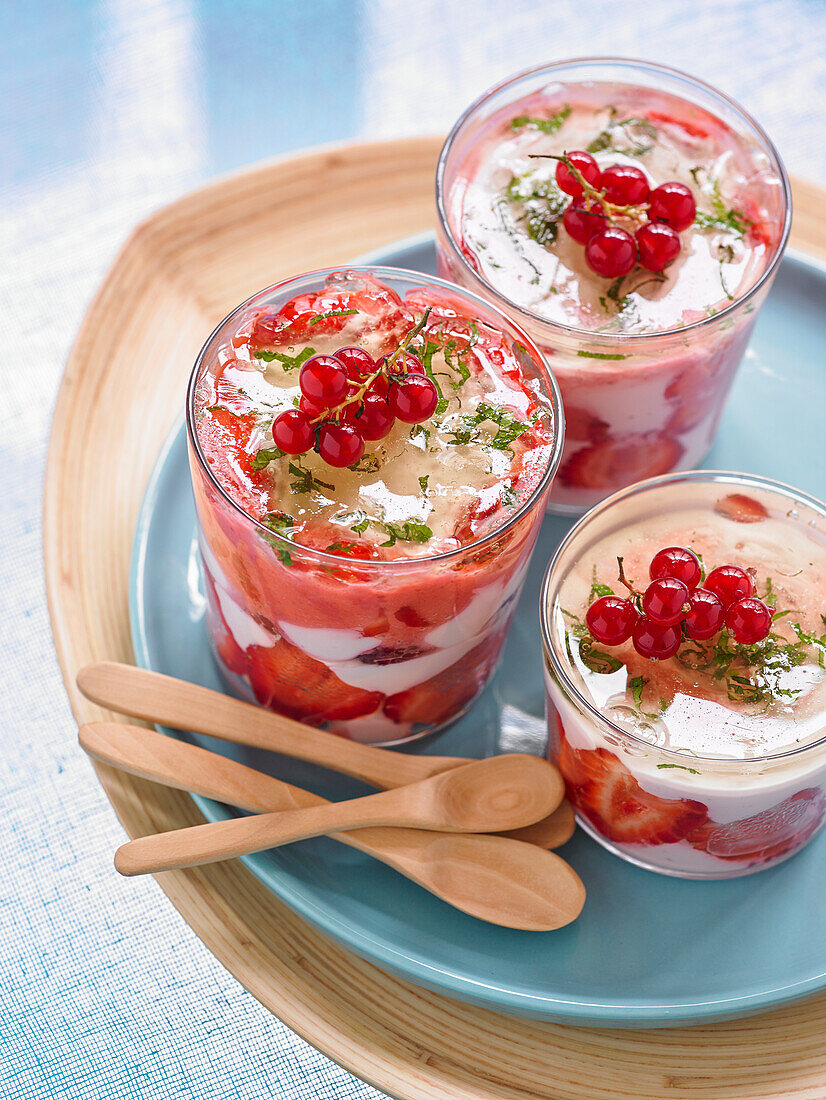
[(357, 362), (380, 385), (663, 601), (585, 165), (611, 252), (340, 444), (676, 561), (706, 615), (375, 419), (323, 380), (582, 219), (656, 641), (413, 400), (292, 432), (310, 407), (625, 185), (729, 583), (611, 619), (749, 620), (658, 244), (673, 204)]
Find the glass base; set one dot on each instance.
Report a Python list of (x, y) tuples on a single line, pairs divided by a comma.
[(671, 872)]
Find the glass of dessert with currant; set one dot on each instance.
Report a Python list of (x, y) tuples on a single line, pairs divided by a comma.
[(684, 638), (631, 219), (371, 452)]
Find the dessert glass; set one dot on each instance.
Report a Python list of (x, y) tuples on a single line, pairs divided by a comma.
[(376, 650), (700, 790), (637, 404)]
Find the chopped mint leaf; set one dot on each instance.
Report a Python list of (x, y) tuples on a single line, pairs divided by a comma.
[(420, 429), (261, 459), (597, 589), (288, 362), (341, 547), (634, 136), (367, 464), (409, 531), (423, 483), (599, 355), (682, 767), (305, 481), (332, 313), (508, 496), (543, 204), (508, 428), (280, 524), (637, 684), (546, 125), (595, 659)]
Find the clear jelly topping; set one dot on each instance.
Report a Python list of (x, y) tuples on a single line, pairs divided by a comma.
[(422, 489)]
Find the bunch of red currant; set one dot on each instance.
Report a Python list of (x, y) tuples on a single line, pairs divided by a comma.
[(347, 398), (622, 191), (674, 606)]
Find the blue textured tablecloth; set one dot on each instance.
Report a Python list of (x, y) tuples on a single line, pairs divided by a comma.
[(107, 111)]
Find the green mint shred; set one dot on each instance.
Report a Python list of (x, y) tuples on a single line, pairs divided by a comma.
[(547, 125), (332, 313), (280, 524), (288, 362), (599, 355)]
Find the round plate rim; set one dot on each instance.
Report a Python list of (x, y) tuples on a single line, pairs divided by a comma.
[(493, 997)]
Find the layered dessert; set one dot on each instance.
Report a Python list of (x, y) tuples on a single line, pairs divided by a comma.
[(370, 452), (631, 228), (684, 626)]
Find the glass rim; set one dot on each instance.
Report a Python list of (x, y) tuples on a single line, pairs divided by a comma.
[(570, 330), (382, 271), (550, 583)]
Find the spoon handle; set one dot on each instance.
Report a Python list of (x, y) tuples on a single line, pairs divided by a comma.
[(242, 836), (488, 877), (172, 702)]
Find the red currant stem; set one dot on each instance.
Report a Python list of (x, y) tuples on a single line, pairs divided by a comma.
[(625, 582), (361, 388), (612, 210)]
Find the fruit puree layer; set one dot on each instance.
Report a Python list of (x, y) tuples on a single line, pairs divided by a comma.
[(645, 351), (711, 761), (372, 598)]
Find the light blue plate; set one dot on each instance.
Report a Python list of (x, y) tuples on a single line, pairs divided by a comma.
[(648, 951)]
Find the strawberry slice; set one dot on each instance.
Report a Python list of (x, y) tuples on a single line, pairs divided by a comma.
[(223, 437), (767, 835), (613, 463), (287, 680), (605, 791), (741, 508), (347, 297), (443, 695)]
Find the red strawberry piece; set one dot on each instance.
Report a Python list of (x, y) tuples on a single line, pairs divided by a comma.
[(411, 617), (767, 835), (692, 128), (287, 680), (613, 463), (608, 795), (583, 425), (443, 695), (223, 437), (741, 508)]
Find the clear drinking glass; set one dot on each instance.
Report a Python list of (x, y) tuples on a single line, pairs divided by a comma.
[(715, 810), (636, 405), (377, 650)]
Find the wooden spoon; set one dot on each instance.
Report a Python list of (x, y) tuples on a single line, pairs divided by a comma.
[(502, 792), (498, 880), (177, 703)]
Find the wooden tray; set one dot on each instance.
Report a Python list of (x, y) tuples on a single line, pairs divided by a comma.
[(177, 275)]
